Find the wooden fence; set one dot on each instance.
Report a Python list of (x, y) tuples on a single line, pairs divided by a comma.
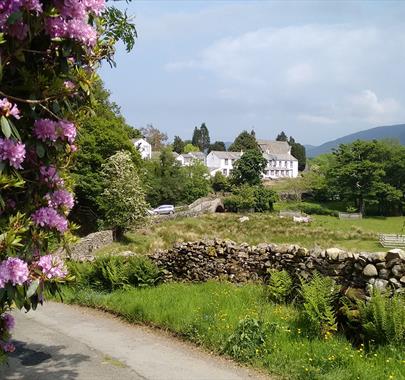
[(350, 215), (392, 240)]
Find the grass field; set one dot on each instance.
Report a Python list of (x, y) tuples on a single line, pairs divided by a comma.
[(208, 314), (324, 231)]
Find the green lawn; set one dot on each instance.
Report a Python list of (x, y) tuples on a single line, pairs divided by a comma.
[(324, 231), (209, 313)]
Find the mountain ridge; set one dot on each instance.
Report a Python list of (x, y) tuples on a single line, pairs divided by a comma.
[(396, 132)]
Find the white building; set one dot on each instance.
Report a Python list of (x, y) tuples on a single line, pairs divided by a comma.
[(280, 162), (222, 162), (186, 159), (144, 148)]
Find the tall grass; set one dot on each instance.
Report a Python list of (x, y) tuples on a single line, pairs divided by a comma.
[(324, 231), (210, 314)]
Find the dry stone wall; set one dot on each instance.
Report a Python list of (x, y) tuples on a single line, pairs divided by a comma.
[(216, 259)]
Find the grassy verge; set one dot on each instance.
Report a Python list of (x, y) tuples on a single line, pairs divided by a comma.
[(325, 231), (208, 314)]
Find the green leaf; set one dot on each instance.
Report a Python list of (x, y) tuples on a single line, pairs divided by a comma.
[(2, 166), (5, 127), (40, 150), (14, 17), (32, 288), (14, 130)]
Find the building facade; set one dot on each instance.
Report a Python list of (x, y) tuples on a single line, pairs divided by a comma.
[(144, 148)]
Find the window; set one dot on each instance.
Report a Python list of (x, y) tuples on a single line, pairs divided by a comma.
[(225, 171), (266, 173), (226, 161)]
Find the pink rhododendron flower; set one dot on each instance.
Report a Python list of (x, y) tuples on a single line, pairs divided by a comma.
[(49, 217), (8, 321), (46, 129), (13, 270), (12, 151), (60, 198), (69, 85), (52, 266), (9, 109), (8, 347), (50, 176)]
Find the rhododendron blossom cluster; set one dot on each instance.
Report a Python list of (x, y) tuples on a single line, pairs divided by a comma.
[(49, 51)]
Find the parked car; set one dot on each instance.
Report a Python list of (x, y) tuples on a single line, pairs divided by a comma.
[(164, 209)]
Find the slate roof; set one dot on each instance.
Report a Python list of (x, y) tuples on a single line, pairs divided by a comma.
[(274, 147), (284, 157), (228, 155)]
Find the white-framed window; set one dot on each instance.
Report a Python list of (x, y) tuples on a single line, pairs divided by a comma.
[(226, 161), (225, 171)]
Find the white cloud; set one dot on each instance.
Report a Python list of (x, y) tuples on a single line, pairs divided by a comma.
[(366, 105), (301, 73)]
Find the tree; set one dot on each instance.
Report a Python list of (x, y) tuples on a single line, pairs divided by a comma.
[(282, 136), (154, 137), (102, 134), (219, 182), (196, 139), (243, 142), (196, 182), (201, 138), (123, 198), (178, 145), (217, 146), (358, 172), (204, 138), (249, 168), (191, 148), (49, 52), (298, 151)]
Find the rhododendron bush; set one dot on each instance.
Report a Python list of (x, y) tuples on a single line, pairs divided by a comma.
[(49, 51)]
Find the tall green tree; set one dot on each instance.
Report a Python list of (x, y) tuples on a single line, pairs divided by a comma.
[(243, 142), (178, 145), (196, 139), (190, 148), (102, 134), (217, 146), (249, 168), (204, 138), (196, 183), (123, 196), (359, 174), (282, 136), (299, 152)]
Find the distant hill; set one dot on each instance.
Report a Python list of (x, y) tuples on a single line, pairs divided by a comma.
[(396, 132)]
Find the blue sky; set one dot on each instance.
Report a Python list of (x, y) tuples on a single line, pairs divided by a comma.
[(317, 70)]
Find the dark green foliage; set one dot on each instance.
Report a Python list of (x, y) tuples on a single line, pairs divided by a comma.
[(369, 174), (245, 197), (249, 168), (108, 273), (383, 318), (248, 339), (220, 183), (217, 146), (282, 136), (264, 198), (168, 182), (243, 142), (279, 287), (312, 209), (100, 136), (298, 151), (319, 296), (201, 138), (178, 145)]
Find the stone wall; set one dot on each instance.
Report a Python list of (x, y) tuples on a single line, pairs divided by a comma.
[(85, 247), (214, 259)]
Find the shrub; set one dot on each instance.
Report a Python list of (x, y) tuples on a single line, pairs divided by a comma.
[(219, 182), (264, 198), (110, 272), (383, 318), (248, 339), (313, 209), (280, 286), (248, 197), (319, 297)]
